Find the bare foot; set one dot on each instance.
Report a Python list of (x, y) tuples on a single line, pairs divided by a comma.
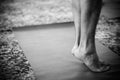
[(91, 61)]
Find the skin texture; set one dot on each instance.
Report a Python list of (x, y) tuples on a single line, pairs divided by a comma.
[(86, 14)]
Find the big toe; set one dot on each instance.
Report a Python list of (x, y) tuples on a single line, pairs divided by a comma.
[(103, 68)]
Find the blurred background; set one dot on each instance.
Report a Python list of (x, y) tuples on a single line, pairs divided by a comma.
[(20, 13)]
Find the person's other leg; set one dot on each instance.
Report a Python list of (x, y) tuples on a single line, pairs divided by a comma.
[(90, 11), (76, 14)]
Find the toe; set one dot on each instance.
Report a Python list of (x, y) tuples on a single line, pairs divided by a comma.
[(105, 68), (101, 68)]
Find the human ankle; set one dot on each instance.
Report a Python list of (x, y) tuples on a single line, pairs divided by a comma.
[(87, 48)]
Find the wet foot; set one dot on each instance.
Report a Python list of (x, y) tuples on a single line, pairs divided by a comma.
[(91, 61)]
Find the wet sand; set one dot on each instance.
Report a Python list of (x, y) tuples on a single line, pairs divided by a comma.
[(48, 50)]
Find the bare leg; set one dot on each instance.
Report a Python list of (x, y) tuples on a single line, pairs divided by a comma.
[(90, 11), (76, 12)]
